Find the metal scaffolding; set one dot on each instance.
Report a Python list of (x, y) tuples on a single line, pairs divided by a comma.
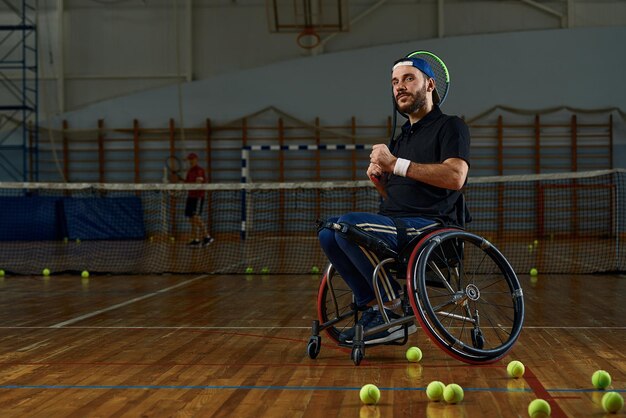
[(19, 96)]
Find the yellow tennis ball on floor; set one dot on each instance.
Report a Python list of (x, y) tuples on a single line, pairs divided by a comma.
[(265, 270), (369, 394), (539, 408), (249, 270), (533, 271), (600, 379), (515, 369), (612, 402), (84, 274), (434, 390), (414, 354), (453, 393), (315, 270), (46, 272), (2, 273)]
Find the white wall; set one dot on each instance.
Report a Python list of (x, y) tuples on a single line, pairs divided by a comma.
[(91, 51), (531, 70)]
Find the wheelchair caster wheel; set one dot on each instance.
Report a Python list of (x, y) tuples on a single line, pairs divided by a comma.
[(314, 346), (357, 355)]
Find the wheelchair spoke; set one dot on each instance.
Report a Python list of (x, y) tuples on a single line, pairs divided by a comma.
[(443, 279)]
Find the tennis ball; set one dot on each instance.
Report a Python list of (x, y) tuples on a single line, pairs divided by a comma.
[(533, 271), (315, 269), (539, 409), (265, 270), (2, 273), (249, 270), (84, 274), (369, 394), (600, 379), (46, 272), (453, 393), (612, 402), (77, 240), (535, 243), (434, 390), (414, 354), (515, 369)]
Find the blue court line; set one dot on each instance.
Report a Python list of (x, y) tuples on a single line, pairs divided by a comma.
[(328, 388)]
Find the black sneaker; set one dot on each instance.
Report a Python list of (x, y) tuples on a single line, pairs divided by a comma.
[(194, 242), (207, 241), (372, 318)]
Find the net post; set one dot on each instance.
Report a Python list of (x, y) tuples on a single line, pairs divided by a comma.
[(101, 150), (136, 149), (66, 152), (245, 171)]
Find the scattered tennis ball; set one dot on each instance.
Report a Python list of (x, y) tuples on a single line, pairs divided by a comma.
[(539, 408), (530, 247), (77, 240), (249, 270), (414, 354), (369, 394), (2, 273), (612, 402), (315, 270), (515, 369), (434, 390), (533, 271), (535, 243), (453, 393), (46, 272), (84, 274), (600, 379), (265, 270)]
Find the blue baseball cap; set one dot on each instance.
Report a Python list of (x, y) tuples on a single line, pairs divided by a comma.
[(421, 65)]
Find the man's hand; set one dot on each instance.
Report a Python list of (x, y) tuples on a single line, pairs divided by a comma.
[(382, 157), (374, 172)]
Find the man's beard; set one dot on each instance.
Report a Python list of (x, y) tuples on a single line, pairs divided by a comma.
[(419, 101)]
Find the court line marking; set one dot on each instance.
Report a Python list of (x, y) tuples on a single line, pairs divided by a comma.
[(270, 387), (128, 302)]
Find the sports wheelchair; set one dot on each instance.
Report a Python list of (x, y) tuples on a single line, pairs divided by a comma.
[(459, 287)]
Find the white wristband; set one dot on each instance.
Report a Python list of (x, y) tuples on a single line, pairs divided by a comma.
[(401, 167)]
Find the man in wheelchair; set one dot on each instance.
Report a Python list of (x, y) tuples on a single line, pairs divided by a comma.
[(419, 177)]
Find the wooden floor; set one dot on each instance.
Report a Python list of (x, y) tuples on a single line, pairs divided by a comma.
[(234, 346)]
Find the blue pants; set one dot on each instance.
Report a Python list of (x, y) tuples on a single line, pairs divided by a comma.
[(355, 263)]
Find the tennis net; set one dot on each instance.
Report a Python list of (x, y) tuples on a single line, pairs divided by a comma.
[(557, 223)]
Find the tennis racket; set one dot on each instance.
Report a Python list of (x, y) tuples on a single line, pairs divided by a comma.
[(442, 76), (174, 166)]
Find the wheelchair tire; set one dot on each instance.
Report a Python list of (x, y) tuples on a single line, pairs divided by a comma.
[(335, 318), (466, 295)]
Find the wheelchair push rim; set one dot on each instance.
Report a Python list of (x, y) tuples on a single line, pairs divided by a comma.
[(335, 309), (477, 315)]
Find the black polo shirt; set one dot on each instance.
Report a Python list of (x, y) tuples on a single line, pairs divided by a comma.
[(433, 139)]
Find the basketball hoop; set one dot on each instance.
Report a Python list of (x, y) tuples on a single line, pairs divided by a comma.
[(308, 38)]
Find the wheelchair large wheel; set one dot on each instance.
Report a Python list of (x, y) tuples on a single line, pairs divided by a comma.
[(335, 308), (466, 295)]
